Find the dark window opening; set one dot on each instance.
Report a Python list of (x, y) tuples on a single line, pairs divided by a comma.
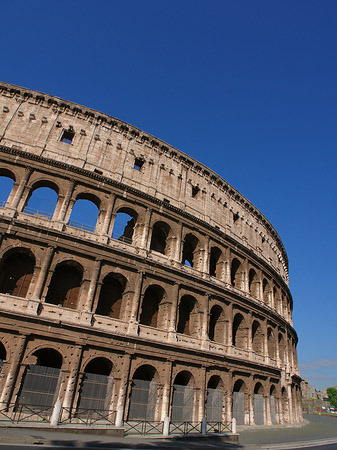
[(236, 217), (159, 236), (65, 286), (67, 136), (190, 246), (143, 398), (195, 191), (139, 162), (186, 310), (235, 275), (214, 266), (215, 332), (257, 338), (111, 297), (240, 332), (16, 274), (150, 307)]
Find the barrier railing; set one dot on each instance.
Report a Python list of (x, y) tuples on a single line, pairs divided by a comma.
[(81, 226), (118, 237), (218, 427), (143, 427), (87, 416), (185, 427), (38, 212)]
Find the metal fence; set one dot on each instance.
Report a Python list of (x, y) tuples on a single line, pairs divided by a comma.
[(83, 416)]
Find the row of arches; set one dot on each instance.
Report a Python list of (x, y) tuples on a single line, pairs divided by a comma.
[(95, 392), (156, 304), (126, 223)]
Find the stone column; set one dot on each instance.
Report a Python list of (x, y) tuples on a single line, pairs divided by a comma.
[(64, 207), (202, 394), (227, 267), (133, 322), (249, 334), (165, 412), (107, 217), (144, 243), (178, 250), (18, 194), (173, 312), (13, 371), (204, 325), (205, 268), (70, 389), (43, 273), (93, 283), (267, 410), (123, 391)]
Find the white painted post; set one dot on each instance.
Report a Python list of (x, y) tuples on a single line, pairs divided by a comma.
[(54, 419), (119, 416), (166, 427), (234, 425)]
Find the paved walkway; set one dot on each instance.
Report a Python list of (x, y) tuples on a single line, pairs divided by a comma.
[(317, 428)]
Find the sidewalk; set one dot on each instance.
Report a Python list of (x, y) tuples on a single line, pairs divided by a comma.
[(317, 428)]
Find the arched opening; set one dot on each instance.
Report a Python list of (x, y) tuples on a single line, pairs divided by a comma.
[(159, 237), (16, 273), (277, 300), (258, 404), (214, 399), (110, 299), (240, 332), (236, 275), (124, 225), (257, 338), (183, 398), (281, 347), (6, 185), (253, 284), (266, 292), (42, 200), (64, 288), (216, 324), (143, 397), (215, 262), (238, 404), (272, 404), (96, 388), (151, 305), (3, 355), (189, 250), (40, 382), (84, 213), (188, 321), (271, 344)]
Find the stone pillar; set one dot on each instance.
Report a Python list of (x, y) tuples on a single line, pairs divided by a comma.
[(249, 419), (13, 371), (123, 391), (202, 394), (205, 268), (144, 243), (165, 412), (64, 207), (227, 268), (18, 194), (43, 273), (173, 312), (249, 334), (178, 250), (92, 286), (267, 410), (108, 216), (204, 325), (133, 322), (70, 389)]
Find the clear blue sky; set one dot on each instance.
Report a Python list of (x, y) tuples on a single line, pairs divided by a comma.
[(246, 87)]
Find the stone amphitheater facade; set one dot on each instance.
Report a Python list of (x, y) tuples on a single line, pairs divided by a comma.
[(186, 313)]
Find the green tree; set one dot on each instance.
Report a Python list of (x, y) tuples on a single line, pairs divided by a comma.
[(332, 394)]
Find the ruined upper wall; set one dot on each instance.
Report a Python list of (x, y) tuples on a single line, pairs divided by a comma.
[(36, 122)]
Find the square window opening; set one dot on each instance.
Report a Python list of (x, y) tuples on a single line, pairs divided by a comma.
[(67, 136), (139, 162)]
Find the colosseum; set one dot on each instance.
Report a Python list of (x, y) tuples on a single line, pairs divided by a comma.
[(174, 307)]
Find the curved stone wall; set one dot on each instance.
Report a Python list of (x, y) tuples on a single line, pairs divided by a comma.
[(180, 290)]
